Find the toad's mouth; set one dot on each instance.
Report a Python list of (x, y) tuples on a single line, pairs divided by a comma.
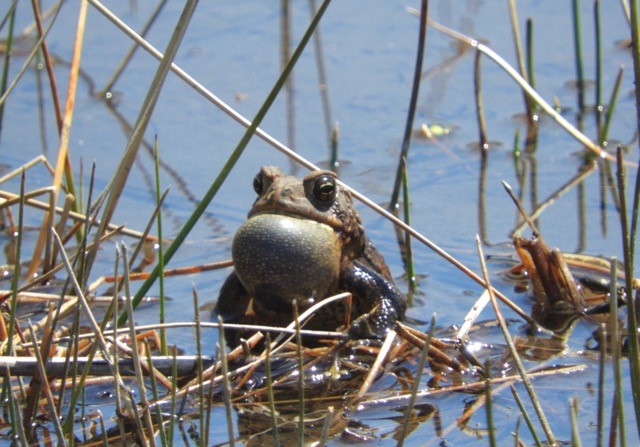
[(311, 214)]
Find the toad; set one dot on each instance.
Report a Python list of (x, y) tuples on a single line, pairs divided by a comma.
[(303, 241)]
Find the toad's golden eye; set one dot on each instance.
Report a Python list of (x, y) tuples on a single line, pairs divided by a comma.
[(258, 184), (324, 188)]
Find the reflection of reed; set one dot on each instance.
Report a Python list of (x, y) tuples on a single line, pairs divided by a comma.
[(329, 126), (563, 189), (483, 144)]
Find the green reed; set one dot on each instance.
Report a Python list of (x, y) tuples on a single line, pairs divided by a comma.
[(270, 395), (628, 241), (4, 78), (616, 425), (604, 130), (231, 161), (163, 332), (226, 385), (415, 89), (408, 243), (602, 363), (577, 43), (597, 34), (408, 410)]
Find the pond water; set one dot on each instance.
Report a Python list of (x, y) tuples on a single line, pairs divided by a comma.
[(369, 51)]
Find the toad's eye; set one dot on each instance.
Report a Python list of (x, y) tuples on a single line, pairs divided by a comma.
[(324, 188), (258, 184)]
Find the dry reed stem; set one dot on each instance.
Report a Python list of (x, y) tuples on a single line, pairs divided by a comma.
[(137, 363), (473, 314), (82, 300), (376, 367), (48, 64), (27, 62), (180, 325), (61, 163), (576, 180), (47, 190), (127, 57), (473, 386), (514, 354), (53, 271), (81, 218), (530, 91), (40, 377), (178, 271), (231, 355), (18, 171)]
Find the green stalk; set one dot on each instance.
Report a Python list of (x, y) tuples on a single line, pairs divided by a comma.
[(489, 405), (16, 270), (172, 405), (200, 368), (417, 75), (530, 73), (477, 84), (335, 161), (601, 375), (270, 397), (411, 271), (617, 406), (323, 84), (628, 251), (158, 411), (598, 56), (515, 31), (163, 332), (7, 14), (530, 70), (226, 386), (7, 58), (525, 415), (301, 399), (285, 37), (575, 4), (230, 163), (408, 411), (15, 416), (635, 53), (575, 430), (604, 134)]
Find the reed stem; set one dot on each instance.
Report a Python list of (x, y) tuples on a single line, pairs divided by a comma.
[(417, 75)]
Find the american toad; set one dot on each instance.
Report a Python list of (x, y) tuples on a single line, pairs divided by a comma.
[(303, 241)]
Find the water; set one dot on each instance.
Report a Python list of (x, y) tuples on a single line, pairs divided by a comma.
[(369, 51)]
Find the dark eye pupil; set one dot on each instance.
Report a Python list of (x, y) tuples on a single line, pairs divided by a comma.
[(325, 188), (257, 184)]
